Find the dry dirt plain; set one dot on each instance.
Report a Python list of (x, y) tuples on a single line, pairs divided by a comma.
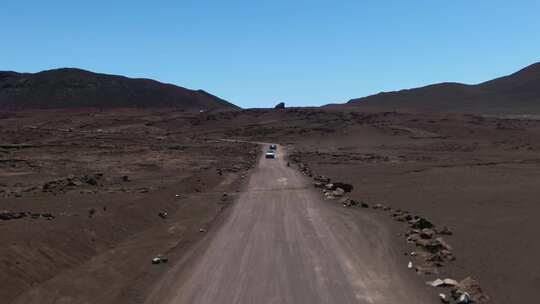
[(81, 193), (477, 175)]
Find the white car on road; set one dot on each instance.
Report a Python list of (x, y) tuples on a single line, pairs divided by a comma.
[(270, 154)]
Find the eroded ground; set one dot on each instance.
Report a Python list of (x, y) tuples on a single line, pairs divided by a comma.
[(82, 193), (107, 175), (476, 175)]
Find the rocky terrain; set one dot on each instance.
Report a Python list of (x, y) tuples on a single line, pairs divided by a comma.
[(127, 175), (89, 198), (75, 88), (82, 190), (473, 177)]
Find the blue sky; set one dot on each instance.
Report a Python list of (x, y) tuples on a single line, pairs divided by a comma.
[(257, 53)]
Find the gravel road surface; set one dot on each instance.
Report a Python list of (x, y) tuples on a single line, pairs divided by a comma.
[(282, 243)]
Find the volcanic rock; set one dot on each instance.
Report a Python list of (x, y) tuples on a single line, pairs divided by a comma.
[(344, 186), (427, 233), (6, 215), (378, 206), (323, 179), (420, 223), (338, 192), (472, 288), (444, 231), (280, 105)]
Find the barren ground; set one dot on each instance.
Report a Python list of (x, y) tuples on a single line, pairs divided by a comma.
[(104, 177), (282, 243), (476, 175)]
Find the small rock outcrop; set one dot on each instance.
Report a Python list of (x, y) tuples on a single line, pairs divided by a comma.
[(470, 290)]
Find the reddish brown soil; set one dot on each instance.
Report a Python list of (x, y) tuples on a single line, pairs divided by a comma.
[(99, 246), (477, 175)]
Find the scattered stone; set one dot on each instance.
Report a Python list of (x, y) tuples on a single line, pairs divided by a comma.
[(427, 233), (469, 290), (443, 243), (202, 230), (47, 216), (71, 181), (432, 246), (444, 298), (450, 282), (338, 192), (125, 178), (413, 237), (378, 206), (346, 187), (329, 196), (6, 215), (401, 216), (90, 180), (443, 231), (318, 184), (163, 214), (364, 205), (420, 223), (440, 257), (442, 283), (75, 182), (410, 265), (322, 179), (347, 202), (435, 283), (426, 270), (464, 298), (159, 260)]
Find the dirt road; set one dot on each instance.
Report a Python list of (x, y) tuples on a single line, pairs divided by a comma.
[(283, 244)]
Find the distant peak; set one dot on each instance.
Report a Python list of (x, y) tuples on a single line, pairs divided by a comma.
[(66, 70), (69, 87), (535, 67)]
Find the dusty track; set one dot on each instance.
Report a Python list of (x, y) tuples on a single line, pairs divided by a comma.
[(283, 244)]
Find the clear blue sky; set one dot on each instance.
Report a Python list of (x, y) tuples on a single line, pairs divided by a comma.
[(256, 53)]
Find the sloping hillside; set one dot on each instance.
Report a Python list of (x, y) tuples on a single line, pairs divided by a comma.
[(75, 88), (518, 93)]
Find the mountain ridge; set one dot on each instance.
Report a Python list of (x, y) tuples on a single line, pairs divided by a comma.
[(74, 87), (517, 93)]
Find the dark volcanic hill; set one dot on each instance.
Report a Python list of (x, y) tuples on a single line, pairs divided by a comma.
[(75, 88), (518, 93)]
